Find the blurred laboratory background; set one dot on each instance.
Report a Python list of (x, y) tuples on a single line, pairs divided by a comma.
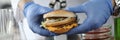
[(9, 29), (13, 25)]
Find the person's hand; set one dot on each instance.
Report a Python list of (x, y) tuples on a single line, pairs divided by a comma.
[(34, 14), (97, 11)]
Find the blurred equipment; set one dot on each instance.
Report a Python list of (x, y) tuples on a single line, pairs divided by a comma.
[(117, 28), (59, 4), (8, 26), (117, 20), (103, 33), (6, 6)]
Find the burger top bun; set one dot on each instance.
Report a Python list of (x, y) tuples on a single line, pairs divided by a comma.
[(59, 13)]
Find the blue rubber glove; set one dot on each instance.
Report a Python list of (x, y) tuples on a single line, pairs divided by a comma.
[(97, 11), (34, 14)]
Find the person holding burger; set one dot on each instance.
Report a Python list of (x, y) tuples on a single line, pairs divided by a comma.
[(97, 11)]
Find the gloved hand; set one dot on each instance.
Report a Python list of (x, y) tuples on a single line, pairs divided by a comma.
[(97, 11), (34, 14)]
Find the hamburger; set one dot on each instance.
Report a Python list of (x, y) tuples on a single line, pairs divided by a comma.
[(59, 21)]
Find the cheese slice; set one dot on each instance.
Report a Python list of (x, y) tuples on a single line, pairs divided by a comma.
[(62, 30)]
